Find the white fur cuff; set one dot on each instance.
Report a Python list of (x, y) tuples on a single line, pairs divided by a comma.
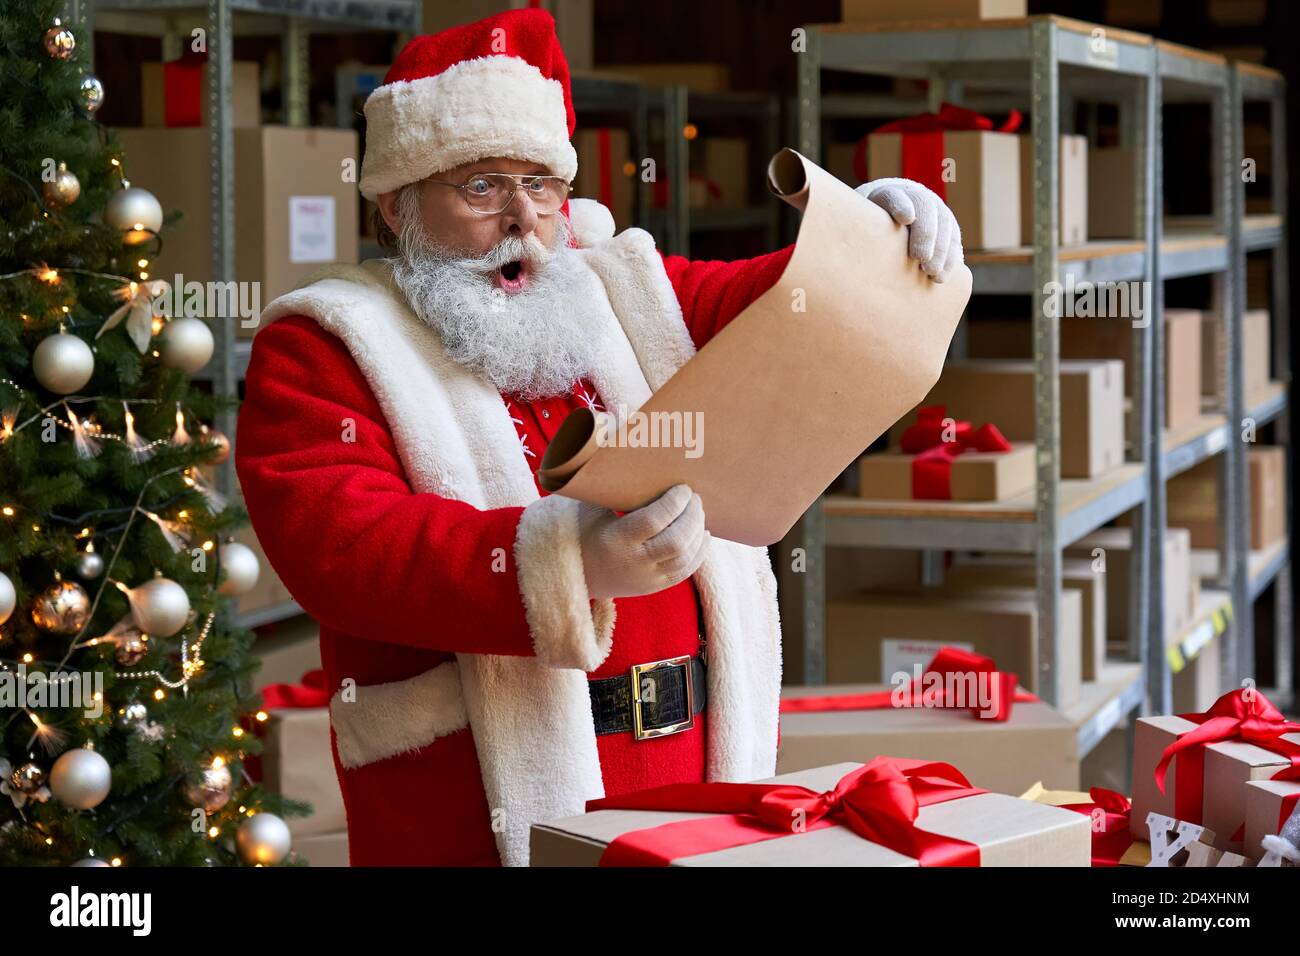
[(384, 720), (568, 628)]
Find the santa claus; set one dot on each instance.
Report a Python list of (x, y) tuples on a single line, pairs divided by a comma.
[(499, 656)]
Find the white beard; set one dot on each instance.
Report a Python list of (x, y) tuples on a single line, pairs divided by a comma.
[(536, 343)]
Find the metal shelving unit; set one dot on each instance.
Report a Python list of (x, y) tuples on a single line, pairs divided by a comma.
[(629, 100), (1048, 63)]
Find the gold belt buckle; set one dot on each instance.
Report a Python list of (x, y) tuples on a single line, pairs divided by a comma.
[(639, 730)]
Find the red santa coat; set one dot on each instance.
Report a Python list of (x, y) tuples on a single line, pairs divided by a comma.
[(391, 493)]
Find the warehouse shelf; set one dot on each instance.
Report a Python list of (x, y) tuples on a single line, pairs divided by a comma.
[(1213, 614), (1008, 525), (1267, 404), (1195, 442), (710, 219), (1263, 565), (1104, 703), (269, 614)]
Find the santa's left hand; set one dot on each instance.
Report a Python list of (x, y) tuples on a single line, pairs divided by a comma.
[(934, 238)]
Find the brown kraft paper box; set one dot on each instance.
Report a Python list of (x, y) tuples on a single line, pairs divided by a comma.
[(1196, 687), (975, 476), (1151, 735), (1229, 766), (298, 763), (294, 213), (587, 184), (1180, 593), (245, 103), (1256, 354), (880, 11), (1072, 214), (874, 635), (1036, 743), (726, 162), (1009, 832), (1076, 575), (323, 849), (1193, 499), (1002, 392), (1264, 799), (1113, 196), (985, 193)]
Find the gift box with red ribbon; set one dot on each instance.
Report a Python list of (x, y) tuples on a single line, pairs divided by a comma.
[(175, 94), (1108, 813), (1269, 805), (960, 708), (887, 812), (973, 165), (947, 459), (1195, 767)]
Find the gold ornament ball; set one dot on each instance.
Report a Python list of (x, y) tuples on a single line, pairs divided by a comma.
[(130, 650), (59, 41), (92, 93), (222, 451), (63, 189), (263, 838), (63, 363), (62, 608), (212, 790), (28, 778)]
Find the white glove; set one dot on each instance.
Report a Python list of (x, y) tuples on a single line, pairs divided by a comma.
[(646, 550), (934, 238)]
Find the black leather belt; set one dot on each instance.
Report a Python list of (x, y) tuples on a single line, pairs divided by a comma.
[(654, 699)]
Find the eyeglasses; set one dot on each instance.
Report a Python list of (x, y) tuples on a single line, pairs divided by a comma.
[(491, 193)]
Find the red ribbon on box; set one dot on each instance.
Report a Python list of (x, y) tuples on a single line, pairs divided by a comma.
[(935, 450), (922, 142), (948, 661), (1233, 717), (1110, 840), (310, 691), (183, 90), (879, 802)]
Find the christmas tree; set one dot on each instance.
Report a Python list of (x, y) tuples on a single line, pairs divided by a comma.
[(124, 681)]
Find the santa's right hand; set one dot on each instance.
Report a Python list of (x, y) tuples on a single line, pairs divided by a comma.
[(646, 550)]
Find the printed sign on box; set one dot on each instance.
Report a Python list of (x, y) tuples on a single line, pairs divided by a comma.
[(899, 657), (311, 229)]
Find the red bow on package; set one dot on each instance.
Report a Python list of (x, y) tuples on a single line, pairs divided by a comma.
[(1238, 715), (923, 142), (936, 441), (879, 802), (1110, 818), (939, 686), (310, 691)]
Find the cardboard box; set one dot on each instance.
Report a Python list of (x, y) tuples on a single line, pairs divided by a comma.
[(1110, 338), (1196, 686), (323, 849), (1256, 355), (726, 163), (1229, 766), (1076, 575), (1180, 598), (1193, 499), (1036, 743), (298, 763), (245, 103), (975, 476), (1114, 207), (1002, 392), (1072, 186), (839, 162), (1151, 735), (294, 213), (1266, 803), (874, 635), (876, 11), (984, 190), (1009, 832), (603, 158)]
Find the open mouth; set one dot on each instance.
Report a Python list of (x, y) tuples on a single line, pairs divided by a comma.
[(512, 276)]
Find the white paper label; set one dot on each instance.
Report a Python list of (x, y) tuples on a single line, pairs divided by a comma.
[(311, 229), (900, 656)]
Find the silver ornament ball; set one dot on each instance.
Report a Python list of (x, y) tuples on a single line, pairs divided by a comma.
[(63, 363), (62, 608), (263, 838), (91, 861), (133, 209), (59, 41), (28, 778), (81, 778), (92, 93), (242, 568), (132, 714), (161, 607), (186, 344), (212, 790), (90, 565), (8, 597)]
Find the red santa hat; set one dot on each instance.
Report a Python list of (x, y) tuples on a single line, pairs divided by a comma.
[(498, 87)]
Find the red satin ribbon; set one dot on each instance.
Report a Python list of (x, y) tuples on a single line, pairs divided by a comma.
[(935, 449), (879, 802), (606, 191), (948, 661), (1110, 840), (310, 691), (1232, 717), (183, 90), (922, 142)]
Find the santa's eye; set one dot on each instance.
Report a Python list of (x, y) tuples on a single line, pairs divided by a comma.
[(537, 184), (480, 186)]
